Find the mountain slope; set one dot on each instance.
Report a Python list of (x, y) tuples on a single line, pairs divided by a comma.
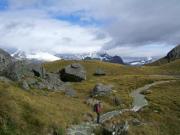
[(173, 55)]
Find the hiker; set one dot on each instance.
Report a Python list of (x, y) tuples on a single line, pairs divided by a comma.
[(97, 109)]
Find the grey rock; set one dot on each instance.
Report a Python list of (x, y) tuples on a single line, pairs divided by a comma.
[(118, 129), (5, 80), (25, 85), (73, 73), (20, 70), (70, 92), (99, 72), (101, 90), (17, 71), (5, 60), (53, 82), (38, 70)]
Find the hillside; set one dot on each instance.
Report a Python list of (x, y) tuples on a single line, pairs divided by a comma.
[(41, 112), (173, 55)]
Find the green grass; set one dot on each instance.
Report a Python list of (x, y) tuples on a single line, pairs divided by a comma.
[(163, 112), (38, 112)]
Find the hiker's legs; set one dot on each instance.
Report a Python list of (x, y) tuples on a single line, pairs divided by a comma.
[(98, 117)]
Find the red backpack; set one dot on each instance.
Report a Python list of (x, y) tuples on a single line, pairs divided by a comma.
[(97, 108)]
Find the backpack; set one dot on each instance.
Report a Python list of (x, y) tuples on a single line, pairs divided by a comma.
[(97, 108)]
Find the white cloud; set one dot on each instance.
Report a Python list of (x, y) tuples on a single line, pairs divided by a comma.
[(31, 32), (130, 24)]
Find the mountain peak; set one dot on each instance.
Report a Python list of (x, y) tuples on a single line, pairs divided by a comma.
[(39, 56)]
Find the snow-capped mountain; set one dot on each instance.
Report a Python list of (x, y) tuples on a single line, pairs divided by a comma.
[(38, 56), (103, 56), (139, 61)]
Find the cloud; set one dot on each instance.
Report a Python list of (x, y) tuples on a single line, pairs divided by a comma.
[(39, 32), (128, 23)]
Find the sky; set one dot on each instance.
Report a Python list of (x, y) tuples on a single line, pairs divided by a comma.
[(136, 28)]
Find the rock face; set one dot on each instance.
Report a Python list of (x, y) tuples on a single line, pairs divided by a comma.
[(32, 75), (5, 60), (101, 90), (116, 59), (99, 72), (174, 54), (17, 71), (49, 82), (73, 73), (38, 70)]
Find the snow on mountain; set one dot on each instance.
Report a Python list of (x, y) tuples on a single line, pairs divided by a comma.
[(103, 56), (139, 61), (39, 56)]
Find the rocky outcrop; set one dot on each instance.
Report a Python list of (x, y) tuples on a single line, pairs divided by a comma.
[(99, 72), (102, 90), (5, 60), (18, 71), (30, 75), (174, 54), (38, 70), (73, 73), (49, 82)]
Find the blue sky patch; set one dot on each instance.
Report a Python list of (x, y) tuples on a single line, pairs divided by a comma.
[(3, 4), (77, 18)]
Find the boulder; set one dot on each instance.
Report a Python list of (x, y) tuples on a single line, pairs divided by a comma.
[(25, 85), (101, 90), (117, 129), (73, 73), (38, 70), (50, 81), (17, 71), (99, 72), (5, 60)]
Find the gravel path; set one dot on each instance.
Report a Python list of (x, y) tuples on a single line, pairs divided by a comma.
[(139, 102)]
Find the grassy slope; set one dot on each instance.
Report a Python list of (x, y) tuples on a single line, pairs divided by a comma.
[(163, 113), (161, 116), (38, 112)]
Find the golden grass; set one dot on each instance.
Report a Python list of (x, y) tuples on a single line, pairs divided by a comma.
[(38, 112)]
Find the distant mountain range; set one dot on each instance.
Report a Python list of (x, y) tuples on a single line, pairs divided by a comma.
[(102, 56), (36, 56)]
